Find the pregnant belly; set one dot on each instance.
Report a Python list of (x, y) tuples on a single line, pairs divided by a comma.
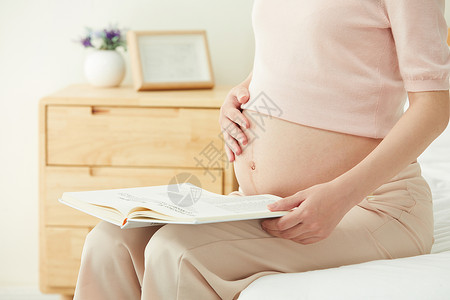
[(283, 157)]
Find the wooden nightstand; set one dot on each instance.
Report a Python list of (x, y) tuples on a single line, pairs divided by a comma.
[(93, 138)]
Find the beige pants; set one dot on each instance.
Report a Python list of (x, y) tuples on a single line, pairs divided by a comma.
[(213, 261)]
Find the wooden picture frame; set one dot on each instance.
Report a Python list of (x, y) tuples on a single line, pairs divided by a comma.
[(448, 37), (170, 60)]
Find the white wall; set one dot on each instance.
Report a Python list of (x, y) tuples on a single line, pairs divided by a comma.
[(37, 57)]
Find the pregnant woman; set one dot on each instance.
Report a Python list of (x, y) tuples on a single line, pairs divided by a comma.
[(319, 122)]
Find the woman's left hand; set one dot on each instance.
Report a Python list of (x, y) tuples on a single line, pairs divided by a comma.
[(317, 211)]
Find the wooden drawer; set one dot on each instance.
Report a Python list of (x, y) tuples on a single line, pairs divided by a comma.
[(130, 136), (108, 138), (66, 179), (62, 248)]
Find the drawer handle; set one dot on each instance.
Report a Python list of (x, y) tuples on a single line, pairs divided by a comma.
[(99, 111), (92, 171)]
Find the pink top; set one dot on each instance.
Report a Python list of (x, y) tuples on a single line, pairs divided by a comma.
[(345, 65)]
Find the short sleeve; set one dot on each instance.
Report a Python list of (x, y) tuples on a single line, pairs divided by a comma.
[(420, 31)]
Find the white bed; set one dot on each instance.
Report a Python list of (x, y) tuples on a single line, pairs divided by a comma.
[(421, 277)]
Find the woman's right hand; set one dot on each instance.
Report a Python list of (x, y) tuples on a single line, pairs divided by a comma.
[(232, 120)]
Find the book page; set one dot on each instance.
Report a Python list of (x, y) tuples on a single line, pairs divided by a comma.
[(192, 201), (125, 200), (240, 204), (181, 200)]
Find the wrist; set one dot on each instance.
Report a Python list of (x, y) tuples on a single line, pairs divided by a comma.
[(351, 189)]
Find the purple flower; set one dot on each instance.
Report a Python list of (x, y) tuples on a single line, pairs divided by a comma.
[(106, 39), (110, 34), (86, 42)]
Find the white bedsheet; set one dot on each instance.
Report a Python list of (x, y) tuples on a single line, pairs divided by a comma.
[(421, 277), (414, 278), (435, 162), (425, 277)]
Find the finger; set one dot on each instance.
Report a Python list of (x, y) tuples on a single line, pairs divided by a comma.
[(273, 233), (232, 99), (232, 129), (237, 117), (229, 153), (296, 232), (309, 240), (231, 143), (270, 231), (271, 223), (290, 220), (236, 97), (305, 235), (286, 203), (242, 94)]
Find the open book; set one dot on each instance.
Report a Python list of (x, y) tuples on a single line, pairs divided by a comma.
[(176, 203)]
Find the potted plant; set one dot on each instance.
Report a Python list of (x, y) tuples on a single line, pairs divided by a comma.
[(104, 66)]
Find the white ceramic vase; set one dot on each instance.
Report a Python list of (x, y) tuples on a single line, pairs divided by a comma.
[(104, 68)]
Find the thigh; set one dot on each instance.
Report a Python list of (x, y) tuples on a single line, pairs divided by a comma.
[(109, 245), (113, 255), (228, 256), (245, 243)]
